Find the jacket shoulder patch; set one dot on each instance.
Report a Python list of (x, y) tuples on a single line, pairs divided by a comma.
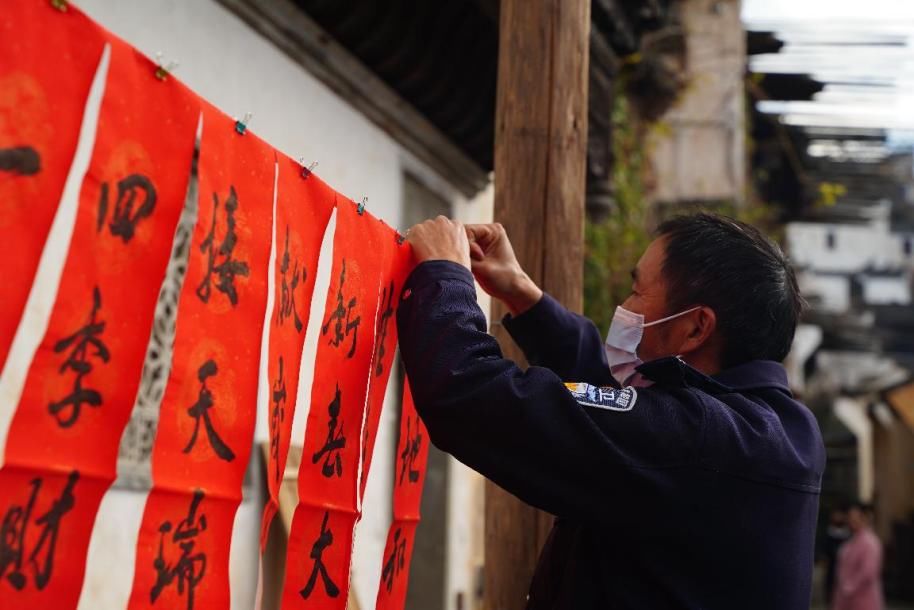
[(608, 398)]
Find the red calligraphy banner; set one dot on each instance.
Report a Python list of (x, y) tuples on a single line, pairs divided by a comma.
[(328, 477), (398, 263), (47, 522), (318, 558), (409, 480), (304, 204), (183, 551), (48, 60), (207, 416), (398, 554), (62, 444), (412, 455)]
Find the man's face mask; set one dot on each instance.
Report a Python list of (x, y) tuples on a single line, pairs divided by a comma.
[(622, 342)]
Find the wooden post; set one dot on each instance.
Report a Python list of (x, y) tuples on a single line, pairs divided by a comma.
[(540, 156)]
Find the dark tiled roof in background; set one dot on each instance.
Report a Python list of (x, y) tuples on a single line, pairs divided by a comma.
[(442, 57)]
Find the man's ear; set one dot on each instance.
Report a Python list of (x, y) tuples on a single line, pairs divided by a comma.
[(703, 323)]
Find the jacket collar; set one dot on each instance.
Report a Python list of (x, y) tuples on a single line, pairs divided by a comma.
[(757, 374), (754, 375)]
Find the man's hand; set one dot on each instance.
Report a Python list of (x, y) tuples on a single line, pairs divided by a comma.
[(497, 269), (440, 239)]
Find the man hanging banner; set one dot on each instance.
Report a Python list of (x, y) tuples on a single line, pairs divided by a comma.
[(206, 421), (398, 263), (303, 208), (63, 439), (328, 478), (47, 62), (409, 480)]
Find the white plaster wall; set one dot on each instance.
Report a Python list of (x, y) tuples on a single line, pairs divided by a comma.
[(701, 152), (853, 414), (886, 290), (855, 247), (833, 291), (237, 70), (806, 341), (853, 371)]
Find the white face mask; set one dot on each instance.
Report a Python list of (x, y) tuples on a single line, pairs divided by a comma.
[(622, 343)]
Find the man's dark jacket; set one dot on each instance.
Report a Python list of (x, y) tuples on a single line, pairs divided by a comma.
[(697, 492)]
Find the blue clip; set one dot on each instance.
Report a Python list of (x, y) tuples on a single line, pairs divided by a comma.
[(241, 126), (360, 208)]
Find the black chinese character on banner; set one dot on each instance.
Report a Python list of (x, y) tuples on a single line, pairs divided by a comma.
[(410, 453), (387, 313), (324, 539), (13, 535), (343, 313), (287, 306), (84, 345), (200, 410), (190, 567), (277, 416), (20, 161), (395, 562), (333, 461), (128, 212), (227, 268)]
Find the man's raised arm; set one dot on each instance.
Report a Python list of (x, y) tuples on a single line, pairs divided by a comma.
[(549, 335)]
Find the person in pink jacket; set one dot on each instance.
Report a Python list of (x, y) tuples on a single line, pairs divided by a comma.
[(859, 585)]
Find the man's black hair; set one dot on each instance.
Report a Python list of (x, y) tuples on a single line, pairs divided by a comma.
[(742, 275)]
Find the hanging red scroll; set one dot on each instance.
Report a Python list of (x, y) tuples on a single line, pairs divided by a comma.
[(398, 555), (47, 62), (398, 263), (303, 208), (62, 442), (320, 543), (409, 479), (207, 416)]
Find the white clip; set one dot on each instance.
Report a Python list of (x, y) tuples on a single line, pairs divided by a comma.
[(163, 71)]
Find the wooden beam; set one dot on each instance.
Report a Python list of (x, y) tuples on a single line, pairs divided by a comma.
[(540, 158), (303, 40)]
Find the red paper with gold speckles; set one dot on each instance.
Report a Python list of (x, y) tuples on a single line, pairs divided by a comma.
[(63, 440), (207, 416), (47, 62)]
